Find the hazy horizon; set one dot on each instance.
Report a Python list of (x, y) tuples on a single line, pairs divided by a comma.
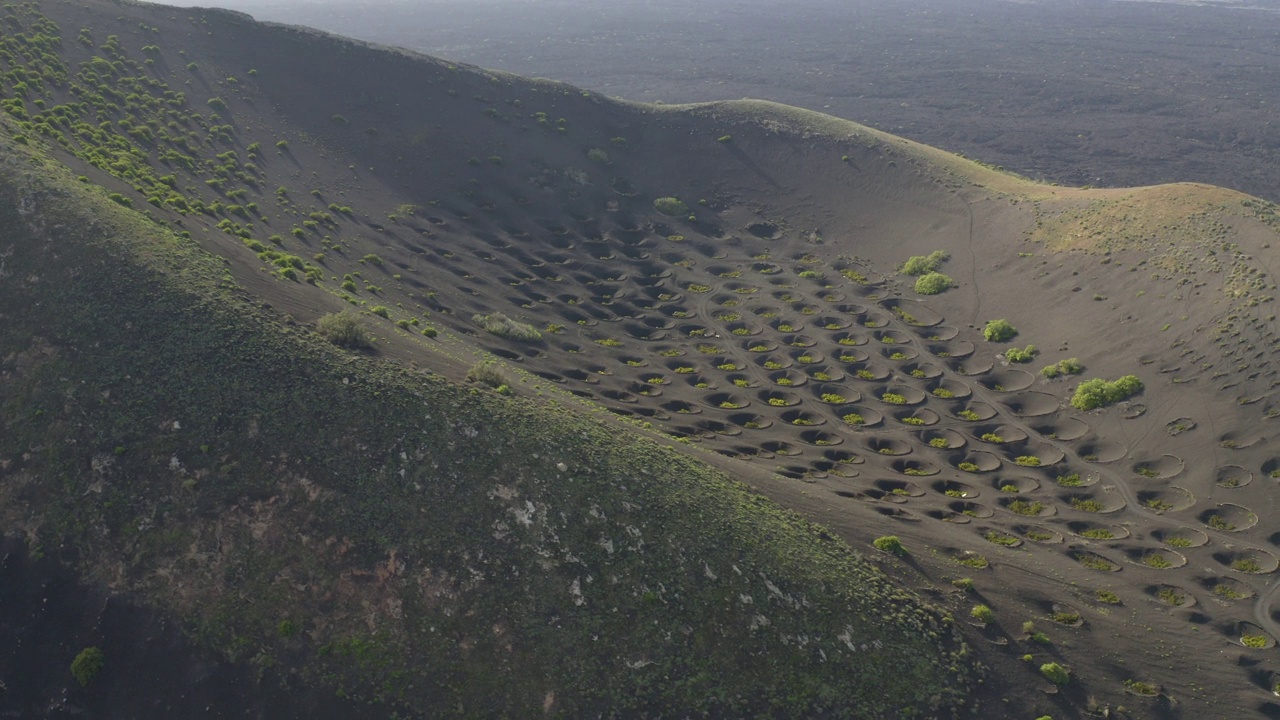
[(1100, 92)]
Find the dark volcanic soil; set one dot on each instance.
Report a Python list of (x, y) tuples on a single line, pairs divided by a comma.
[(152, 671), (1079, 92)]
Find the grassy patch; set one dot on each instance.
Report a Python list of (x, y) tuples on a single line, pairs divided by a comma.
[(1098, 392)]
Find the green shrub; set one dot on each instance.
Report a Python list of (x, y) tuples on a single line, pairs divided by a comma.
[(1070, 366), (1024, 355), (1142, 688), (1030, 509), (344, 330), (1246, 565), (1098, 392), (503, 326), (381, 311), (486, 372), (1087, 505), (999, 331), (430, 332), (598, 155), (1000, 538), (933, 283), (982, 614), (1055, 673), (670, 206), (921, 264), (890, 544), (86, 665)]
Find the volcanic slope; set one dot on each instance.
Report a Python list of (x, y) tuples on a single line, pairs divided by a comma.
[(725, 276)]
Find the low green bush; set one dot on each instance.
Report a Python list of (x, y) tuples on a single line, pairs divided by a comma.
[(670, 206), (982, 614), (917, 265), (1023, 355), (86, 665), (487, 373), (890, 544), (1055, 673), (1098, 392), (503, 326), (344, 330), (933, 283), (1138, 687), (999, 331)]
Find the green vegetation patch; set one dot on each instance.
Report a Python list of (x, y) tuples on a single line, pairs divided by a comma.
[(933, 283), (1096, 393), (87, 664), (1021, 355), (344, 329), (1069, 366), (503, 326), (999, 331), (919, 265), (890, 544), (1055, 673), (671, 206), (982, 614)]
